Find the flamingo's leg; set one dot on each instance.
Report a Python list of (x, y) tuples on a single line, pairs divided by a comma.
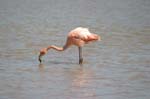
[(80, 55)]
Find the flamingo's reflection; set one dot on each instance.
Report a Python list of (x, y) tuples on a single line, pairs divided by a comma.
[(80, 77), (81, 82)]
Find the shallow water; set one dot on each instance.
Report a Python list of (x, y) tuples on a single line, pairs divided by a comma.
[(118, 67)]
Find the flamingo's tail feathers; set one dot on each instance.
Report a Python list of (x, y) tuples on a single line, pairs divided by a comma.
[(94, 37)]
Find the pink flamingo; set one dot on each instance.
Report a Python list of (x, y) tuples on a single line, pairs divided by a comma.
[(78, 37)]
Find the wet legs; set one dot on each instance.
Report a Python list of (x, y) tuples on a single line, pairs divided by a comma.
[(80, 55)]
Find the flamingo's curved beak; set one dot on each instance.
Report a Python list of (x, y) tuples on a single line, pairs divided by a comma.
[(40, 56)]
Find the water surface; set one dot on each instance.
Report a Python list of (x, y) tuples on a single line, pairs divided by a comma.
[(118, 67)]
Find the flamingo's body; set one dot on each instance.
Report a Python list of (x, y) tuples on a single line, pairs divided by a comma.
[(77, 37)]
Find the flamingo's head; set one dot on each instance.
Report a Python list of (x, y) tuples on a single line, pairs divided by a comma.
[(42, 53)]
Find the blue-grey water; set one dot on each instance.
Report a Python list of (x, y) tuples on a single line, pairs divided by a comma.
[(118, 67)]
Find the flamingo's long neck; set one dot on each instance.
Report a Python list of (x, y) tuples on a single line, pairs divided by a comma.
[(58, 48), (44, 51)]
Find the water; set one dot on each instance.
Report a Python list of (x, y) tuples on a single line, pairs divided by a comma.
[(118, 67)]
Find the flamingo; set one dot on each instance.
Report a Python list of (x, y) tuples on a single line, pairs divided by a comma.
[(78, 37)]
